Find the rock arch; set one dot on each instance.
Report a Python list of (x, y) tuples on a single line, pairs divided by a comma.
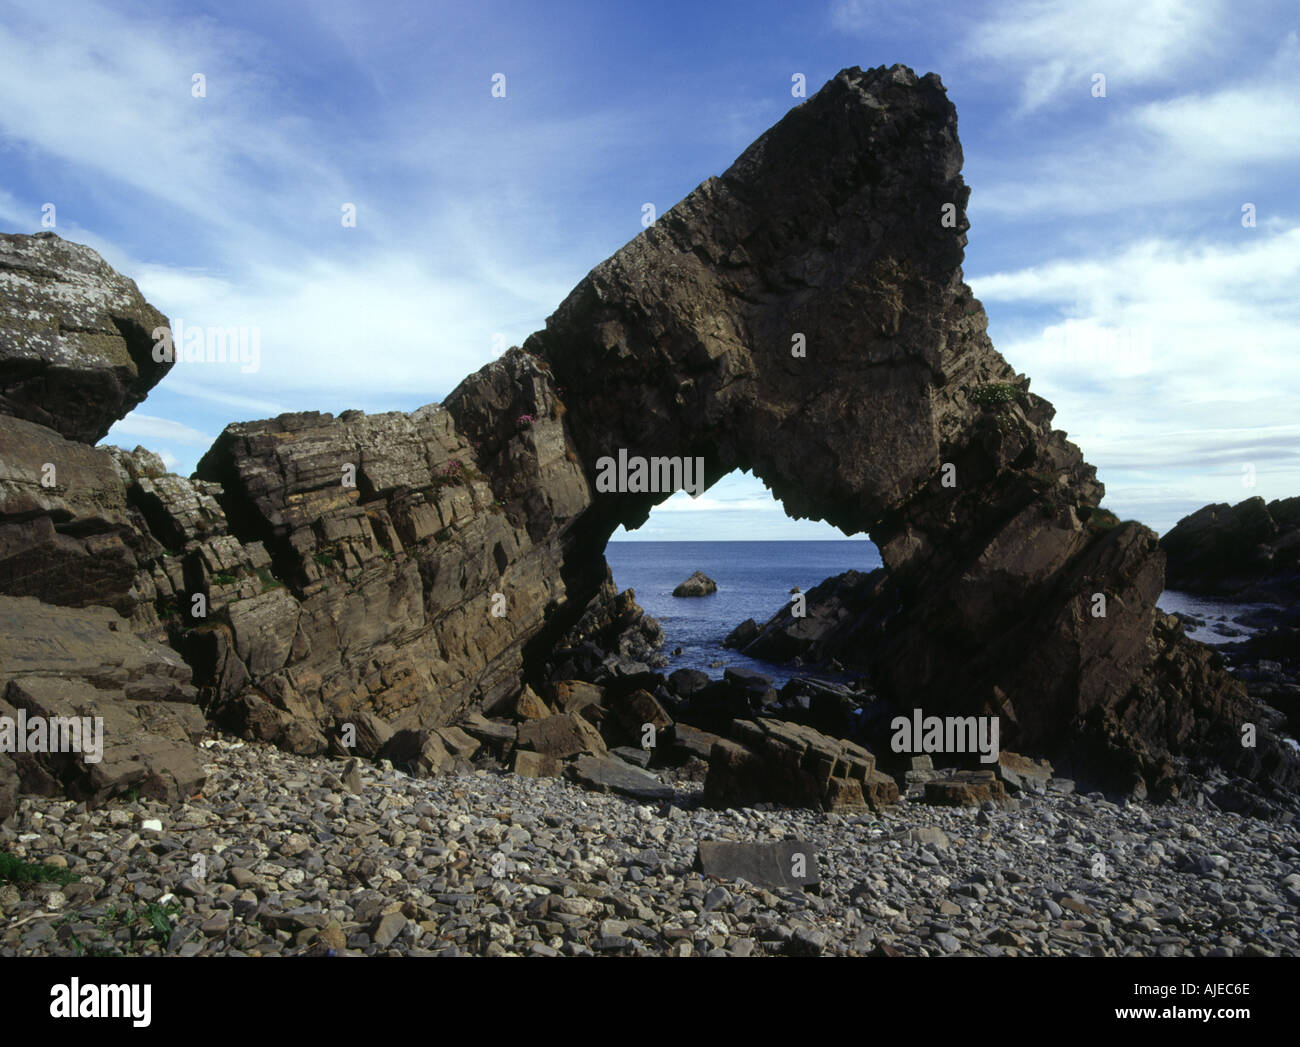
[(802, 316), (829, 233)]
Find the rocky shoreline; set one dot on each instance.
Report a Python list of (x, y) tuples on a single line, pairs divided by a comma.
[(491, 863), (425, 596)]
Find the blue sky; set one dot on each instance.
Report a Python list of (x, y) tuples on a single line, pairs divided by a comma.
[(1107, 240)]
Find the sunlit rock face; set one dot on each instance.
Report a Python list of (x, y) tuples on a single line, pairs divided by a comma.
[(803, 316), (76, 337)]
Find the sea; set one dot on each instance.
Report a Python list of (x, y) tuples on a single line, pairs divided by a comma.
[(754, 581)]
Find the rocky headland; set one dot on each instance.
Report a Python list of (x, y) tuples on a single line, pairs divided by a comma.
[(426, 594)]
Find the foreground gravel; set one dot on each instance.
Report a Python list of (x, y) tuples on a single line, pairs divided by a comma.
[(278, 857)]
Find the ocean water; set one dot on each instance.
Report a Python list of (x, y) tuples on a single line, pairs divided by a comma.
[(1219, 616), (754, 581)]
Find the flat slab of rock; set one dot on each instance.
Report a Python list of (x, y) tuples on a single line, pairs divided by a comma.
[(607, 774), (692, 741), (496, 734), (965, 789), (698, 584), (638, 757), (781, 863)]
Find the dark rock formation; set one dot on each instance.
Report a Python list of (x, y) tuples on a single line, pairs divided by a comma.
[(1249, 551), (837, 622), (698, 584), (804, 316), (381, 577), (76, 337)]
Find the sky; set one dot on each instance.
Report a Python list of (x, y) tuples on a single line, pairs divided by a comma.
[(1135, 229)]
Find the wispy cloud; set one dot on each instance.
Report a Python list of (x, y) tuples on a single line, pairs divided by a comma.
[(1056, 46), (143, 426)]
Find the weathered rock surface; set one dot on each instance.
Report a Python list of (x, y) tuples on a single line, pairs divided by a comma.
[(76, 337), (1249, 551), (395, 573), (65, 662), (828, 233), (772, 761), (605, 774), (837, 624), (784, 863), (698, 584)]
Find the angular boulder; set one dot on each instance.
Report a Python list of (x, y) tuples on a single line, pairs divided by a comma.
[(698, 584), (772, 761), (76, 337)]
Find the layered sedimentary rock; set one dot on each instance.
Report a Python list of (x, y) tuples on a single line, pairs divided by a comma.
[(833, 622), (76, 337), (364, 581), (134, 698), (804, 316), (1247, 551)]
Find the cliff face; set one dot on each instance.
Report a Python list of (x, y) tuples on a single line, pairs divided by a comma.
[(802, 316), (1247, 551)]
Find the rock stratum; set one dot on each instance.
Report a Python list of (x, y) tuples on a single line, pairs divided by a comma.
[(1249, 551), (381, 578)]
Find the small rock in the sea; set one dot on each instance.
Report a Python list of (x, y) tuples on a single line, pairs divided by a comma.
[(698, 584)]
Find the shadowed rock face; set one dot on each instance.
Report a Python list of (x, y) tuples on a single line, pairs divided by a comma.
[(1247, 551), (901, 420), (75, 337), (802, 316)]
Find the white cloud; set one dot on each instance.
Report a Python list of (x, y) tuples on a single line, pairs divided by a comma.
[(144, 426), (1055, 46), (1238, 125), (1168, 360), (123, 111), (684, 503)]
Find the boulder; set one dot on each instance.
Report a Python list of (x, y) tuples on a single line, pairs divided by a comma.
[(1021, 774), (530, 707), (687, 682), (698, 584), (772, 761), (689, 741), (965, 789), (529, 764), (608, 774), (572, 696), (76, 337), (1248, 551), (741, 636), (631, 713), (560, 736)]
